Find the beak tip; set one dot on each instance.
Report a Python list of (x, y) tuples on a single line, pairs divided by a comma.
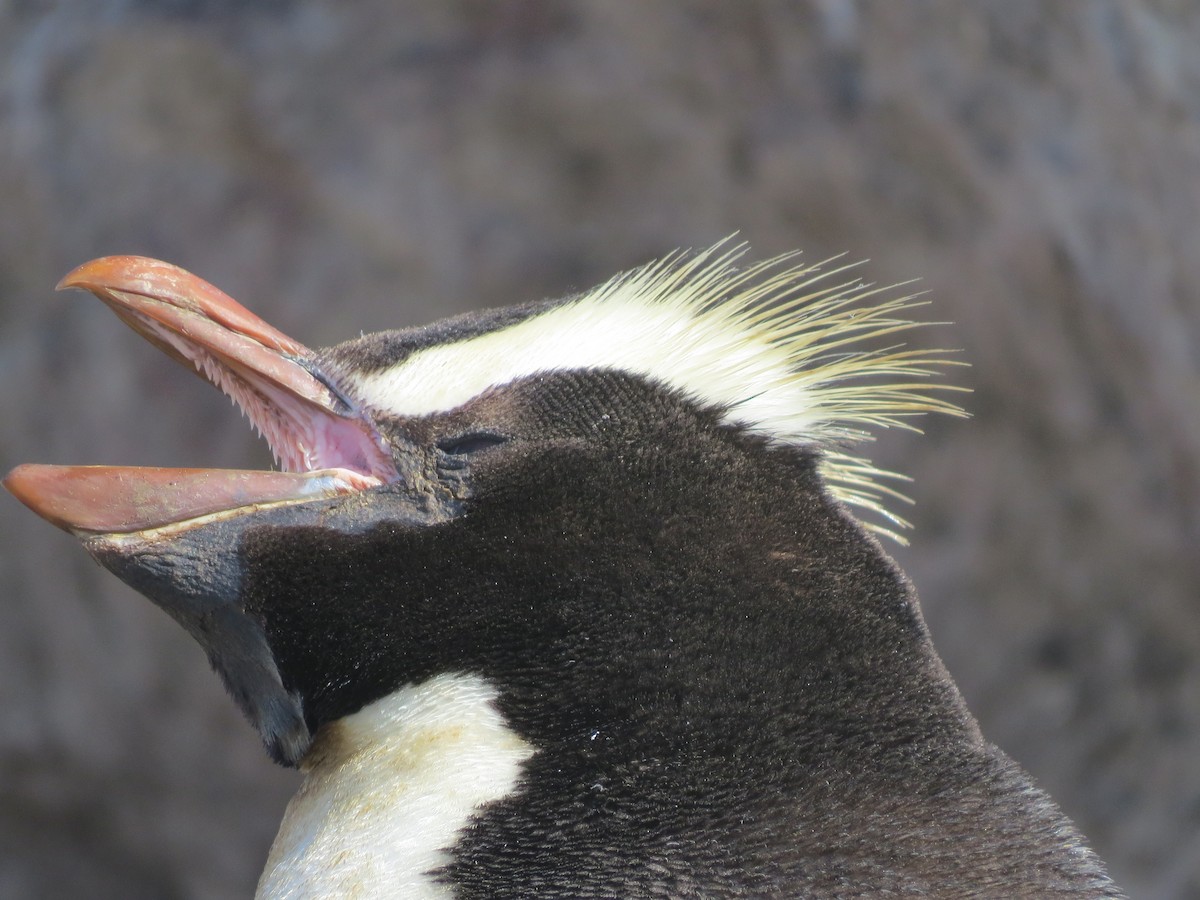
[(12, 481), (110, 272), (27, 483), (74, 278), (88, 276)]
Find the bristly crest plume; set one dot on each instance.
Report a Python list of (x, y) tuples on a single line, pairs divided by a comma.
[(778, 345), (819, 323)]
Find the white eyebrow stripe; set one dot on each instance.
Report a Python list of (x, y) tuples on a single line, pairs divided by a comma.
[(700, 355)]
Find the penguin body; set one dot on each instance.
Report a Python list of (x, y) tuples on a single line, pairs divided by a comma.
[(566, 600)]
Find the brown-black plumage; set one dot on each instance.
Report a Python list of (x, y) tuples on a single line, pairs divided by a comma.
[(633, 544)]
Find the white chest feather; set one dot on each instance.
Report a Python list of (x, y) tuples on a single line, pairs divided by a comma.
[(389, 788)]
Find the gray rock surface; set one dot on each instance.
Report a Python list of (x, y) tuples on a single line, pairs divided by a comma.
[(349, 167)]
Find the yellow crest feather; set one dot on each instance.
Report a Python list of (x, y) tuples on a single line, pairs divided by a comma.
[(821, 322)]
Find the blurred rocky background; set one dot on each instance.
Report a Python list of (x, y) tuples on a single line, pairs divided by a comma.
[(347, 167)]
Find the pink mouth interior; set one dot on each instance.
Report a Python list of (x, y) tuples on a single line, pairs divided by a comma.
[(303, 436)]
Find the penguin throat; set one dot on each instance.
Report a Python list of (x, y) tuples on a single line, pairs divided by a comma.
[(389, 790)]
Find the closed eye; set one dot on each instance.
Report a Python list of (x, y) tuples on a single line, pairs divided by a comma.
[(464, 444)]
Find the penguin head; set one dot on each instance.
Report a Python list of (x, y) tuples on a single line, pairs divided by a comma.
[(602, 503)]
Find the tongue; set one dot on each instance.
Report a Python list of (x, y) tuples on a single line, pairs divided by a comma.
[(123, 499)]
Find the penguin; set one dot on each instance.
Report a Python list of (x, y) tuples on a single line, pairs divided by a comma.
[(577, 598)]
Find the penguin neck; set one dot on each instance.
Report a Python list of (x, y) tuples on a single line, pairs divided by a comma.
[(683, 658), (388, 789)]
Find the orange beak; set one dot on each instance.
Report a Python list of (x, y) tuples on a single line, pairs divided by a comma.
[(326, 445)]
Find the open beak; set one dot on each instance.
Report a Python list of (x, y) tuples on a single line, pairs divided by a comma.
[(324, 443)]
